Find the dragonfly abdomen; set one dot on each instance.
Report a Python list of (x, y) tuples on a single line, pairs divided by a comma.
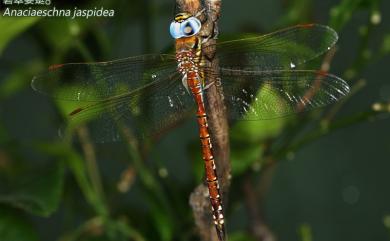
[(210, 168), (194, 83), (188, 56)]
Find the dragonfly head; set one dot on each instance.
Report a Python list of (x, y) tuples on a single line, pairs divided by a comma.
[(185, 25)]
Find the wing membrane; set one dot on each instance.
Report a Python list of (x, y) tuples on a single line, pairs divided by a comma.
[(145, 112), (254, 95), (284, 49), (97, 81), (145, 93)]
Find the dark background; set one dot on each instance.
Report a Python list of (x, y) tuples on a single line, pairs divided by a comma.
[(326, 184)]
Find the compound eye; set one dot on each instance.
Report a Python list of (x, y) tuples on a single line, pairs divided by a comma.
[(175, 30), (190, 27)]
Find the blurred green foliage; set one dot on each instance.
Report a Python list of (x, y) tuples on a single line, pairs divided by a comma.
[(52, 189), (12, 27)]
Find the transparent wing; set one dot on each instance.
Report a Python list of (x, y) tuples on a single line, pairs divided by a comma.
[(147, 111), (98, 81), (284, 49), (254, 95)]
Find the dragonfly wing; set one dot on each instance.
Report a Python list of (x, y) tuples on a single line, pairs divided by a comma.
[(144, 112), (283, 49), (254, 95), (98, 81)]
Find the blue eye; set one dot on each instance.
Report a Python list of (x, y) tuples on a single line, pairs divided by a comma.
[(187, 28), (190, 27), (175, 30)]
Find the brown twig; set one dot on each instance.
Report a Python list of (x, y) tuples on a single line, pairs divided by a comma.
[(217, 117), (258, 226), (317, 83)]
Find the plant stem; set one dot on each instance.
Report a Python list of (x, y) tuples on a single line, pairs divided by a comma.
[(335, 125), (90, 158)]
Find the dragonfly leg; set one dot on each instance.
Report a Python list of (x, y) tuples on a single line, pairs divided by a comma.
[(200, 13), (204, 40), (208, 85), (185, 84)]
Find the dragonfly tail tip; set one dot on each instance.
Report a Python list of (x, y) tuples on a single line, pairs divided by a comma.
[(221, 232)]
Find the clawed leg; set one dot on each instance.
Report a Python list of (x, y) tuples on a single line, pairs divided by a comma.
[(200, 12), (208, 85)]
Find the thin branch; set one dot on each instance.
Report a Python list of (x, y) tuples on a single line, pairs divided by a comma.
[(219, 127), (357, 118), (200, 204), (294, 131), (311, 92), (258, 226)]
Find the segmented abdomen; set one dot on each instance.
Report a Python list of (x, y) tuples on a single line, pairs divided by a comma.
[(190, 69)]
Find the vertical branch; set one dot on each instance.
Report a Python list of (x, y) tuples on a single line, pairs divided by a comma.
[(215, 100), (216, 113)]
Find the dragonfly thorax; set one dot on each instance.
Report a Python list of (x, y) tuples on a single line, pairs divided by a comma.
[(187, 62), (188, 52)]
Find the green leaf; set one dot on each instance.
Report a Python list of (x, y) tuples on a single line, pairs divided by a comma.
[(243, 156), (36, 190), (15, 227), (78, 168), (11, 27), (247, 136), (259, 130)]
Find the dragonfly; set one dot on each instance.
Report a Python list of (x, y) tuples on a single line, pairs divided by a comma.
[(259, 77)]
